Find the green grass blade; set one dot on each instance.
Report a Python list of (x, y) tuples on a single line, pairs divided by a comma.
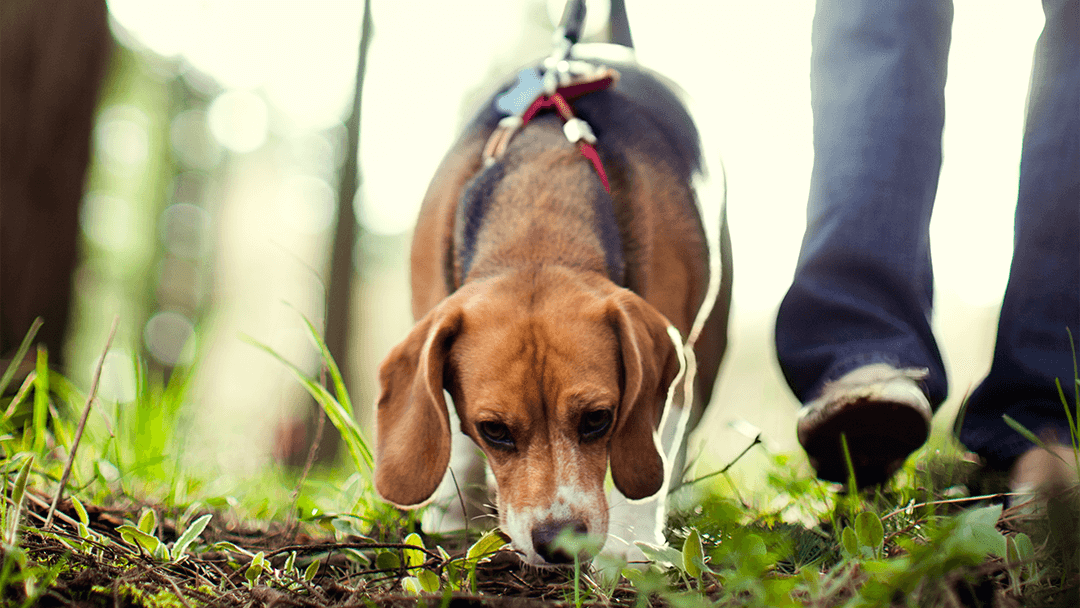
[(338, 415), (190, 534), (1074, 432), (80, 510), (1076, 369), (41, 399), (1023, 430), (852, 483), (18, 398), (20, 354), (67, 392), (331, 365), (18, 498), (343, 402), (1074, 421)]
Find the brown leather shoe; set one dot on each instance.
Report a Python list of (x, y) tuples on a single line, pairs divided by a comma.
[(881, 411)]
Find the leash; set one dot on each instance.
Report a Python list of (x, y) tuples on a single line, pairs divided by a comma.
[(553, 85)]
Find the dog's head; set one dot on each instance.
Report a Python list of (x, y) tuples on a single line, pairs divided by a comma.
[(553, 375)]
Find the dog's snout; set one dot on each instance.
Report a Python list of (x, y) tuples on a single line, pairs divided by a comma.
[(544, 538)]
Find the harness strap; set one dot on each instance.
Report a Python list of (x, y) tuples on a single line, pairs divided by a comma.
[(577, 130)]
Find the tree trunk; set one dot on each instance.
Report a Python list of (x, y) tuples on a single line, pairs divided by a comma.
[(339, 300), (53, 56)]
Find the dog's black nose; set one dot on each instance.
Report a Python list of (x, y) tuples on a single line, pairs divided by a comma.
[(545, 534)]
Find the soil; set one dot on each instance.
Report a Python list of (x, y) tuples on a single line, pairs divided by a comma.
[(115, 574)]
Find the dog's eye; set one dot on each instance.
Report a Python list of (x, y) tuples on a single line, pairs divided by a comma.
[(594, 424), (497, 434)]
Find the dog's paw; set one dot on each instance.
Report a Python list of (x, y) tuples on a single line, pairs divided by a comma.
[(630, 523)]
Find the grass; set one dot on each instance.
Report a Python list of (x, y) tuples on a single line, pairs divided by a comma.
[(137, 524)]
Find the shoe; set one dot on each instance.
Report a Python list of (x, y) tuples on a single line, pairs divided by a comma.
[(1040, 473), (882, 412)]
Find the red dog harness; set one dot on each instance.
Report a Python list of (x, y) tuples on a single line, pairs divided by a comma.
[(576, 78)]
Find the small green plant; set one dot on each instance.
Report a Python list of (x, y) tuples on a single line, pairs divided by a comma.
[(693, 556), (256, 568), (142, 536), (17, 569), (421, 579), (491, 542), (866, 540), (1019, 553)]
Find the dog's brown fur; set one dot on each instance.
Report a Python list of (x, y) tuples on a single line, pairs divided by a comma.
[(522, 321)]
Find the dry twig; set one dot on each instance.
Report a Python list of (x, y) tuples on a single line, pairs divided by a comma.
[(82, 424)]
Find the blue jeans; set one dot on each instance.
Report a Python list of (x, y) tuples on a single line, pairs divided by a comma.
[(863, 288)]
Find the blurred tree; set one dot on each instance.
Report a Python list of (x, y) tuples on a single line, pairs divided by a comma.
[(53, 55), (339, 299)]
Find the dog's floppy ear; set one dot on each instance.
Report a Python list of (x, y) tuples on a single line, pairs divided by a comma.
[(413, 447), (650, 364)]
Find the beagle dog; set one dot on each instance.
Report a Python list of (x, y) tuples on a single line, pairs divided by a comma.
[(548, 289)]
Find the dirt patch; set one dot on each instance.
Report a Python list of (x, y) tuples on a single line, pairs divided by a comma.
[(303, 569), (103, 570)]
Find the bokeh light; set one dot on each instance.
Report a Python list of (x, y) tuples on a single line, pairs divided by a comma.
[(185, 230), (239, 120), (306, 203), (120, 138), (108, 221), (192, 142), (169, 338), (117, 382)]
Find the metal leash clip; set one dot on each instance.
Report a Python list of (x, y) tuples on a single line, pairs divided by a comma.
[(559, 71)]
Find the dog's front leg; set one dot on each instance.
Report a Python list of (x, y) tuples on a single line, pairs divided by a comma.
[(630, 522), (644, 520)]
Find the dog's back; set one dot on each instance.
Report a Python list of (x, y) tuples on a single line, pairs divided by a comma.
[(650, 149)]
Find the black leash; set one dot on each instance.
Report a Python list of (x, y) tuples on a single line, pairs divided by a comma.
[(572, 21), (620, 24)]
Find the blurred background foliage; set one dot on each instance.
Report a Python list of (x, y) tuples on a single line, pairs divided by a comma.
[(219, 147)]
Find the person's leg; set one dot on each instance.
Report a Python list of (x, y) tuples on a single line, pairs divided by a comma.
[(862, 291), (1042, 298)]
